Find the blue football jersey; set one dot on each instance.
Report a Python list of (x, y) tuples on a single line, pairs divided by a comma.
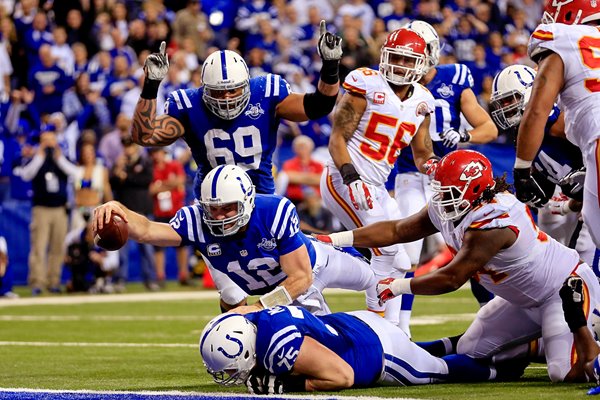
[(249, 258), (281, 331), (247, 141), (446, 87), (557, 157)]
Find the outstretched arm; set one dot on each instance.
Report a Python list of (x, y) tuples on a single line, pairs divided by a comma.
[(140, 228)]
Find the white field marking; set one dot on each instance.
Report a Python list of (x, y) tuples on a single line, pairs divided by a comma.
[(139, 297), (91, 344), (415, 320), (202, 394)]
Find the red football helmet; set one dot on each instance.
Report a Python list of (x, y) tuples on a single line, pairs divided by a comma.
[(571, 12), (403, 57), (461, 178)]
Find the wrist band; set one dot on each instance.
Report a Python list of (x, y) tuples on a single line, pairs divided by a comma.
[(349, 173), (519, 163), (342, 239), (277, 297), (400, 286), (330, 72), (150, 89)]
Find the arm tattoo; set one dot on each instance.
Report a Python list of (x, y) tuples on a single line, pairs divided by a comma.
[(346, 119), (149, 130), (428, 143)]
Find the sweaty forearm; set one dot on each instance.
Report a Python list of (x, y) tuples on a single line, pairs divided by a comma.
[(484, 133), (296, 285)]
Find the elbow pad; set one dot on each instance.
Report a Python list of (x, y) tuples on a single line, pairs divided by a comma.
[(317, 105)]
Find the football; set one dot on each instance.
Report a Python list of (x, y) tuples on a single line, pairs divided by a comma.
[(113, 234)]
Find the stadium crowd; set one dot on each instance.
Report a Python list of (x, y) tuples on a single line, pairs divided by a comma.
[(72, 75)]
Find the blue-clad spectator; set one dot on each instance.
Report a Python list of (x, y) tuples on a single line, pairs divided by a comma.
[(251, 11), (465, 36), (49, 82), (100, 69), (399, 16), (479, 68), (117, 85), (37, 36)]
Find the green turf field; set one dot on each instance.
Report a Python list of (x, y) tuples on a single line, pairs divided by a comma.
[(152, 345)]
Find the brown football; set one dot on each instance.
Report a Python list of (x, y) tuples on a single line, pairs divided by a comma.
[(113, 234)]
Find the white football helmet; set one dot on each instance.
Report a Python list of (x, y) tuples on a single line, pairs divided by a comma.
[(228, 348), (432, 40), (225, 71), (223, 185), (511, 90)]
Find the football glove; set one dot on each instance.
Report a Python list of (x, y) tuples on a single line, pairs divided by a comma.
[(263, 382), (384, 290), (572, 184), (157, 64), (329, 46), (559, 205), (451, 137), (527, 189), (360, 195), (431, 166), (571, 294)]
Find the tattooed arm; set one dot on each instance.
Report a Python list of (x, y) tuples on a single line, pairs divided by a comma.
[(421, 145), (150, 130), (546, 87), (345, 121)]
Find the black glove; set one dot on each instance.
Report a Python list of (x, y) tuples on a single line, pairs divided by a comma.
[(527, 189), (263, 382), (572, 184), (571, 294)]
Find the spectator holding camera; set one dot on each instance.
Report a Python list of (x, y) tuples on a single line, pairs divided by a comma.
[(48, 172)]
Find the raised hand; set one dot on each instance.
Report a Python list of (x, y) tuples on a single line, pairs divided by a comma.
[(157, 64), (329, 46)]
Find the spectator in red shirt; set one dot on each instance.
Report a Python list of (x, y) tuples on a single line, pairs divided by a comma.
[(302, 170), (168, 192)]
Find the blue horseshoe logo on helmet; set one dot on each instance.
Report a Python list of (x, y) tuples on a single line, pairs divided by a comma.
[(234, 340), (522, 81)]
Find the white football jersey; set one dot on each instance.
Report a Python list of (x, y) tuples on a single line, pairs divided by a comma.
[(387, 125), (527, 273), (578, 46)]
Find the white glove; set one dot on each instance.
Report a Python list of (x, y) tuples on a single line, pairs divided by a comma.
[(451, 137), (559, 205), (329, 46), (157, 64), (360, 195)]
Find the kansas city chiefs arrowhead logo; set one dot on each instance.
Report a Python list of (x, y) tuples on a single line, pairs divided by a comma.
[(472, 171)]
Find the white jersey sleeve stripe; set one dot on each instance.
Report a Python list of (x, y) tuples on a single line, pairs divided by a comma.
[(463, 74), (268, 88), (456, 74), (277, 216), (286, 220), (198, 223), (190, 224), (276, 86), (186, 100), (177, 100), (277, 341)]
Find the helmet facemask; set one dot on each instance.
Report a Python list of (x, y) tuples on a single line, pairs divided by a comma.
[(401, 65), (449, 201), (507, 108), (227, 108), (227, 226)]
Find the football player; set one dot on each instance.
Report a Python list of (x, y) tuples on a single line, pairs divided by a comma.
[(274, 351), (556, 159), (565, 46), (451, 86), (251, 243), (495, 238), (380, 113), (232, 119)]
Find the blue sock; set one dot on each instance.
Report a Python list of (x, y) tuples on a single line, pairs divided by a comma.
[(441, 347), (481, 294), (596, 263), (408, 299), (462, 368)]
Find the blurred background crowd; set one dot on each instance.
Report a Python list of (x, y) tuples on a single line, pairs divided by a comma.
[(70, 77)]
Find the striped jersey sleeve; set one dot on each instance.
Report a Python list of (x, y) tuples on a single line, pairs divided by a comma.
[(541, 41), (177, 103), (462, 76), (188, 224), (355, 81), (286, 227), (276, 87)]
